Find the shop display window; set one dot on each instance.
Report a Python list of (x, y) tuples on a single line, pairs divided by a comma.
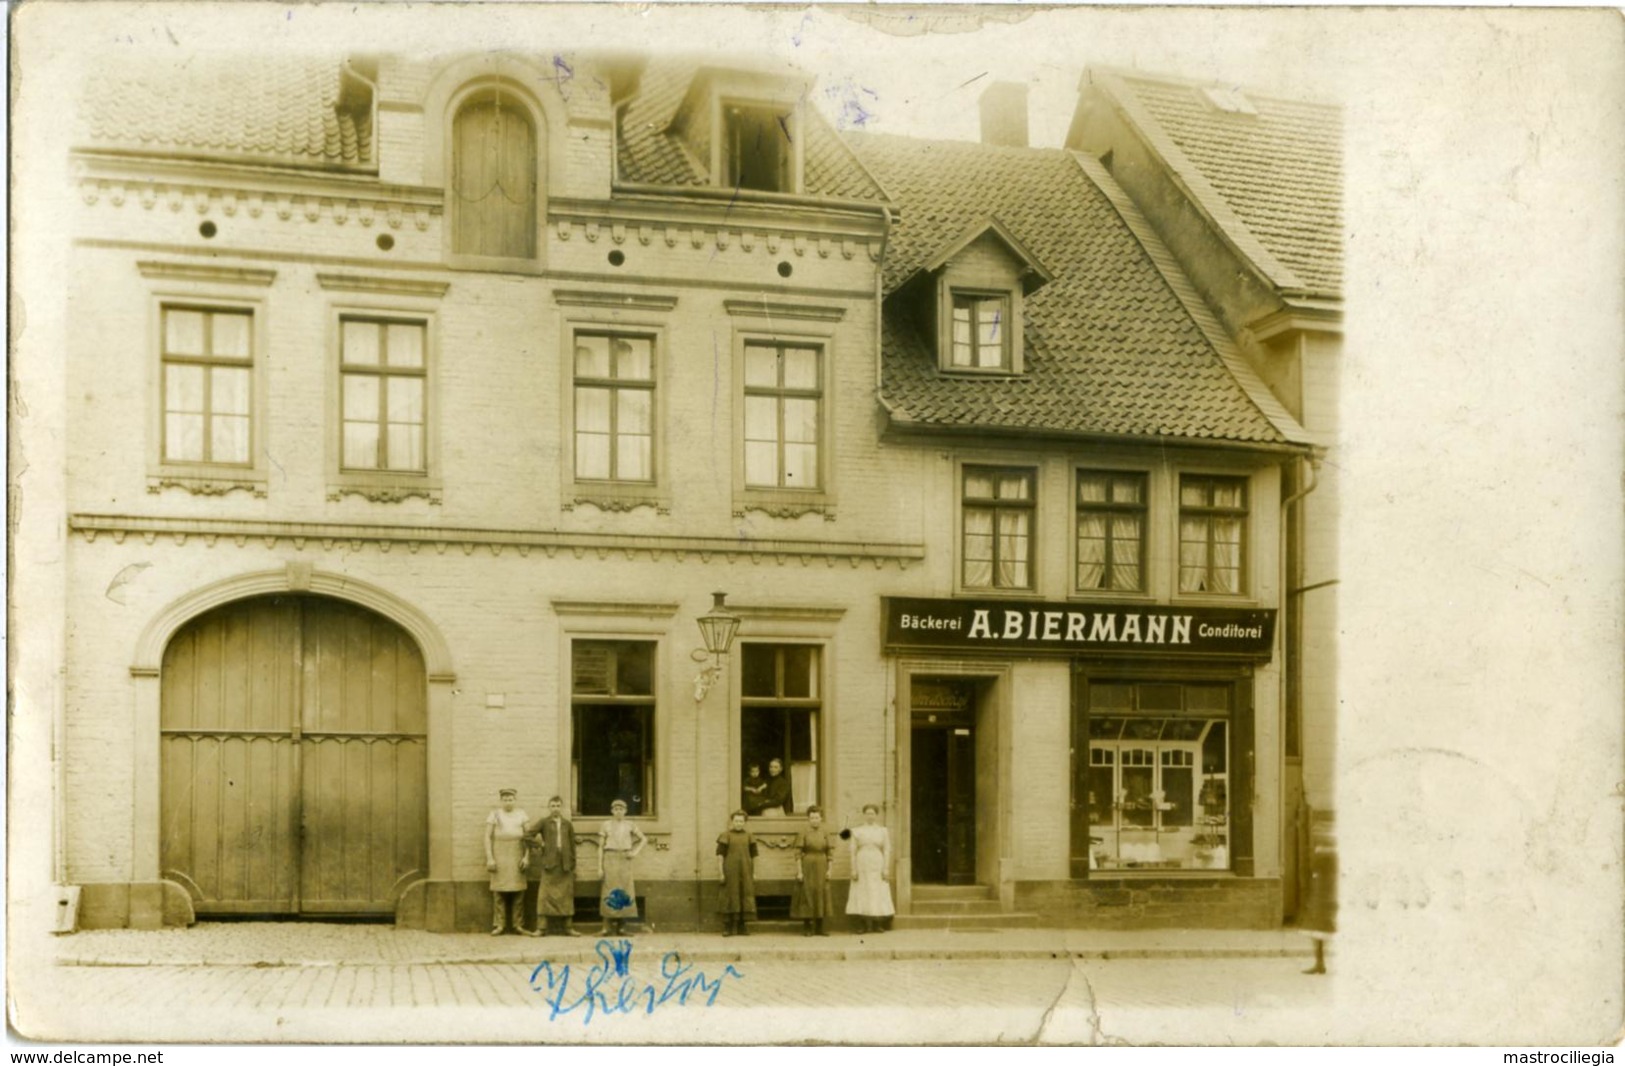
[(613, 725), (1158, 776)]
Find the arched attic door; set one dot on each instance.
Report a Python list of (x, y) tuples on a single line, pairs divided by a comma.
[(493, 190), (293, 733)]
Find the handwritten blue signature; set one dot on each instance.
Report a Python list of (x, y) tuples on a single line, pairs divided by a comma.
[(609, 987)]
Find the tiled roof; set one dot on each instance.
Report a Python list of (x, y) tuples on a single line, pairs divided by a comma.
[(1278, 172), (647, 153), (276, 109), (1111, 347)]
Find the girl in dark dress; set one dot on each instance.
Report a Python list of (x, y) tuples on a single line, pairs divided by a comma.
[(815, 855), (736, 855)]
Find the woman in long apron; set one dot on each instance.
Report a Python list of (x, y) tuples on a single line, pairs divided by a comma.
[(619, 842), (870, 897), (505, 861), (736, 857), (815, 855)]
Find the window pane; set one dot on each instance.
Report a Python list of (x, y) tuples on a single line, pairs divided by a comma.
[(1227, 493), (1178, 789), (405, 446), (634, 668), (1091, 488), (1127, 489), (761, 463), (761, 366), (614, 743), (1208, 698), (406, 399), (801, 466), (1110, 697), (1137, 797), (592, 357), (183, 388), (230, 442), (978, 484), (361, 445), (801, 421), (405, 345), (634, 358), (757, 671), (1161, 697), (592, 667), (800, 368), (800, 668), (231, 335), (592, 455), (1192, 492), (632, 459), (761, 418), (183, 332), (360, 343), (634, 410), (1014, 486), (592, 410), (360, 397), (1101, 796), (183, 437), (228, 390)]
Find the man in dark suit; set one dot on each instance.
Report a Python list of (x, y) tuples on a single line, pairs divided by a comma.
[(553, 855)]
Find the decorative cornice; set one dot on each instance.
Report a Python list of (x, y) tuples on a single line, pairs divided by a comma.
[(712, 236), (382, 283), (764, 308), (785, 508), (617, 504), (152, 268), (205, 486), (787, 613), (609, 609), (384, 493), (629, 301), (363, 208), (347, 537), (1319, 318)]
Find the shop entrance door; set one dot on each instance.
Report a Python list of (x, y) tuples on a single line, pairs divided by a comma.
[(942, 812), (293, 741)]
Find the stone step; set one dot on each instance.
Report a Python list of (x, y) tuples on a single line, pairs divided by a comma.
[(965, 923), (957, 906), (935, 892)]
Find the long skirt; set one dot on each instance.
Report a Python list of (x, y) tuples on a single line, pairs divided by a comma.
[(557, 895), (870, 894), (738, 895), (812, 891), (618, 897), (508, 877)]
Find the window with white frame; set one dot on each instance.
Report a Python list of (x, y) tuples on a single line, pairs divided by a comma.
[(208, 362), (383, 372), (614, 407), (779, 708), (783, 410), (1111, 531), (1212, 533), (998, 505), (981, 331), (612, 735)]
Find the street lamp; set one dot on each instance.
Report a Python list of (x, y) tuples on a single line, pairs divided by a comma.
[(717, 629)]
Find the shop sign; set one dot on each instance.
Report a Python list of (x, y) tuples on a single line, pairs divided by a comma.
[(1021, 625)]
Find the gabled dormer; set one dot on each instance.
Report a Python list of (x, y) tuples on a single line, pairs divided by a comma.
[(744, 129), (970, 296)]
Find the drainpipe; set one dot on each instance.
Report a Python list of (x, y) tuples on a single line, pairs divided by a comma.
[(1313, 468)]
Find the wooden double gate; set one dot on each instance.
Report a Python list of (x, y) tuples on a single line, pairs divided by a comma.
[(293, 759)]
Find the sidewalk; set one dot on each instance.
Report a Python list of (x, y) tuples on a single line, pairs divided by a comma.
[(331, 944)]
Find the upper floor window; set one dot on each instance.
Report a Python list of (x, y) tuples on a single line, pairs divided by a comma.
[(614, 407), (981, 332), (758, 148), (208, 361), (383, 384), (779, 708), (612, 736), (1212, 533), (998, 527), (494, 179), (783, 407), (1111, 531)]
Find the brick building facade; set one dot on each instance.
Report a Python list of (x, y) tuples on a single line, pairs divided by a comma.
[(417, 408)]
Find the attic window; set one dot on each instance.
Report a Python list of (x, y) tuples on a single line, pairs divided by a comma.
[(1229, 100), (758, 147), (981, 332)]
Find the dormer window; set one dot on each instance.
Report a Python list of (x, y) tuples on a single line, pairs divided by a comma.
[(758, 147), (981, 331)]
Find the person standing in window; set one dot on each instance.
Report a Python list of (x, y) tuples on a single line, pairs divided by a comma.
[(553, 847), (815, 856), (776, 801), (736, 858), (753, 793), (619, 842), (505, 862), (870, 896)]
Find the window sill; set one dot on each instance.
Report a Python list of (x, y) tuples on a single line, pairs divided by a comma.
[(611, 497), (1213, 599), (990, 592), (207, 481), (1110, 595), (495, 264), (989, 374), (383, 487)]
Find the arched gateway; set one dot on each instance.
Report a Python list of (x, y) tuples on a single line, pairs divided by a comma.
[(293, 758)]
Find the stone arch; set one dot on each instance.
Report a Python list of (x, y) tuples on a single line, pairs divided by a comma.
[(523, 80)]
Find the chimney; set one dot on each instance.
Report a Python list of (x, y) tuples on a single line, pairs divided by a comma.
[(1004, 114)]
